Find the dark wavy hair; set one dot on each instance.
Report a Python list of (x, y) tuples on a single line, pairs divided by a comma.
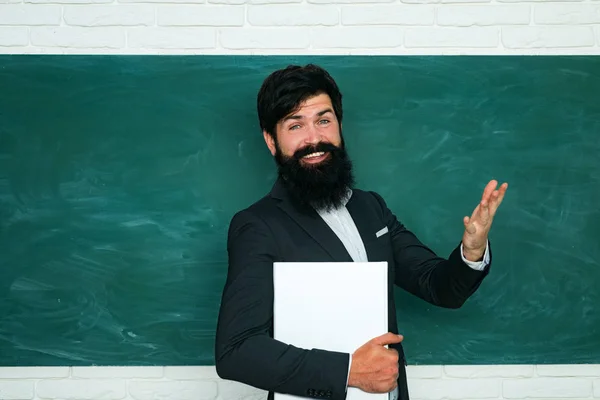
[(283, 90)]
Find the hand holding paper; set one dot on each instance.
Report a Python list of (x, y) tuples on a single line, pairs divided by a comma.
[(374, 367)]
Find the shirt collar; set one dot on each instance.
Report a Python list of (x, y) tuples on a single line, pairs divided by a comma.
[(345, 201)]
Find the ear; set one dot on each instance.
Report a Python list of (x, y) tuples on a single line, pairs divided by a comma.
[(270, 142)]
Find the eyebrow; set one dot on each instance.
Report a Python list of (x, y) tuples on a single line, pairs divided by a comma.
[(296, 117)]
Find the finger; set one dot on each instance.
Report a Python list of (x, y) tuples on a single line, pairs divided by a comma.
[(470, 228), (502, 192), (387, 338), (489, 188), (484, 213), (476, 211), (493, 202), (498, 196), (394, 355)]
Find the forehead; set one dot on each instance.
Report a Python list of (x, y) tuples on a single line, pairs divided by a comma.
[(312, 105)]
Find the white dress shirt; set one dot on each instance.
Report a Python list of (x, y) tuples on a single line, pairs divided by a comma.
[(341, 222)]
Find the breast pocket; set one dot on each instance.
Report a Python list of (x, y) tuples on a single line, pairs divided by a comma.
[(381, 232), (379, 246)]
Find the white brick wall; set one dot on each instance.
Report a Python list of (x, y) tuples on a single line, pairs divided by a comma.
[(542, 382), (300, 26)]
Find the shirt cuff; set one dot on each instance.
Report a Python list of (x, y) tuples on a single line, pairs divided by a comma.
[(477, 265), (348, 376)]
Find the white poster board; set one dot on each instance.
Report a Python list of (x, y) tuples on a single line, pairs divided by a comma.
[(336, 306)]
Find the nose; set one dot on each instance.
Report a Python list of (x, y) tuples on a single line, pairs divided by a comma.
[(312, 135)]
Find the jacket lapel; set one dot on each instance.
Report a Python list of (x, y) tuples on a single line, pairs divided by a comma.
[(313, 225), (367, 223)]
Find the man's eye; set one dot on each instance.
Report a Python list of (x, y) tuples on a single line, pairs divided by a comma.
[(294, 127), (324, 121)]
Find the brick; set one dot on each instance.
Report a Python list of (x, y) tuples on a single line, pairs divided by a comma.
[(274, 1), (94, 15), (591, 370), (230, 2), (13, 14), (165, 1), (388, 15), (264, 38), (172, 38), (201, 15), (356, 37), (293, 15), (33, 372), (537, 1), (84, 389), (424, 371), (452, 37), (117, 372), (421, 2), (68, 1), (456, 388), (555, 398), (173, 390), (464, 1), (349, 1), (191, 372), (483, 15), (597, 388), (78, 37), (567, 14), (230, 390), (16, 390), (528, 37), (489, 371), (10, 36), (546, 388)]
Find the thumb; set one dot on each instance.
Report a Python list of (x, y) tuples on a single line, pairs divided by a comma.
[(387, 338), (470, 228)]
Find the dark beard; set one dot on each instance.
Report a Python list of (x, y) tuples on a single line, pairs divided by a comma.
[(323, 186)]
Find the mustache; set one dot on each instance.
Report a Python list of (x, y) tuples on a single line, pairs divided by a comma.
[(321, 146)]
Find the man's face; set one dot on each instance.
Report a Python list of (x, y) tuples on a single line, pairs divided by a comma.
[(312, 124), (310, 153)]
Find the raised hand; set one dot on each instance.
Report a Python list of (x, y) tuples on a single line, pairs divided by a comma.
[(374, 368), (478, 225)]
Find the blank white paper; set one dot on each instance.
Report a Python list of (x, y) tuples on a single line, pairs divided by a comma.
[(335, 306)]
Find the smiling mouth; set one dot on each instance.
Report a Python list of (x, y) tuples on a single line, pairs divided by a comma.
[(314, 155), (315, 158)]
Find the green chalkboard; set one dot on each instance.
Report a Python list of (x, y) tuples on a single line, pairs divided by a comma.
[(119, 176)]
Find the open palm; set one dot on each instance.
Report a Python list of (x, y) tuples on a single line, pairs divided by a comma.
[(477, 226)]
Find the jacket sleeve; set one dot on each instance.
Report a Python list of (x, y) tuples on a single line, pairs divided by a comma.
[(245, 350), (445, 282)]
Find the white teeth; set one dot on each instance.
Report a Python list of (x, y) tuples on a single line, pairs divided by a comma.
[(312, 155)]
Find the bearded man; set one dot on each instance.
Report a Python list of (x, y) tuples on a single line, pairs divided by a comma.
[(314, 213)]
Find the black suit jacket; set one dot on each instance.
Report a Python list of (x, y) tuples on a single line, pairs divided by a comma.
[(275, 229)]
